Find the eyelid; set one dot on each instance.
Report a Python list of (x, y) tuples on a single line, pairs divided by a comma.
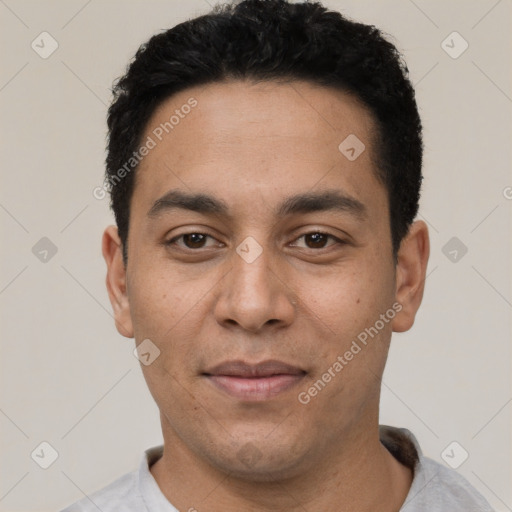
[(196, 232), (172, 241), (338, 240)]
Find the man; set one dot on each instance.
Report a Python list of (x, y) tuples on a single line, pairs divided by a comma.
[(264, 165)]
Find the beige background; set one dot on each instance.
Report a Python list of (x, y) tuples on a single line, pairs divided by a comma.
[(67, 376)]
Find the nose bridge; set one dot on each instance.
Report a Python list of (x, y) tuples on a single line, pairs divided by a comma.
[(252, 270), (253, 294)]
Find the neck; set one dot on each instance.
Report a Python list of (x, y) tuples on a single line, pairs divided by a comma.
[(359, 474)]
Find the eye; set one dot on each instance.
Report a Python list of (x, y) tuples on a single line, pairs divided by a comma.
[(190, 240), (318, 240), (196, 240)]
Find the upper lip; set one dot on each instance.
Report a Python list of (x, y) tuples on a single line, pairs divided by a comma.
[(264, 369)]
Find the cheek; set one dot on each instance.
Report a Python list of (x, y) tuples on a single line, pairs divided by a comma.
[(352, 346), (345, 308), (170, 312), (348, 301), (156, 304)]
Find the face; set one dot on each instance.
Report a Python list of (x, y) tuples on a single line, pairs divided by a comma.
[(260, 267)]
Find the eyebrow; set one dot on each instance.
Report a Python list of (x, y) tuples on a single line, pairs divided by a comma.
[(329, 200)]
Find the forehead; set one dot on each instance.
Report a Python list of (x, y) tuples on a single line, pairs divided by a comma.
[(239, 138)]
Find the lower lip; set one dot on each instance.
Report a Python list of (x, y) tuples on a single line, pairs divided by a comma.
[(256, 388)]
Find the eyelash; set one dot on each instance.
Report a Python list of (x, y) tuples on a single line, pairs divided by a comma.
[(316, 232)]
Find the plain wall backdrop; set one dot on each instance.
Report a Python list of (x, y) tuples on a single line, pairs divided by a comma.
[(70, 380)]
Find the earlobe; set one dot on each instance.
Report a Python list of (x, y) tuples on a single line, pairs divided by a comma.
[(411, 271), (116, 281)]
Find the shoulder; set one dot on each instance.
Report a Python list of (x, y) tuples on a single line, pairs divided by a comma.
[(122, 494), (436, 487)]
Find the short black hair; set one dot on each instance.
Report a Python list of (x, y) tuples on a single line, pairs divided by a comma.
[(269, 40)]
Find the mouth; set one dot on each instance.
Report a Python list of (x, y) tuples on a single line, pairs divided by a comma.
[(254, 382)]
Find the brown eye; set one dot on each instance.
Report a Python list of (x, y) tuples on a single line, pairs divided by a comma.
[(318, 240), (194, 240), (190, 241)]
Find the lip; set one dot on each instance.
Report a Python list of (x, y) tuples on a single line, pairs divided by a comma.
[(254, 382)]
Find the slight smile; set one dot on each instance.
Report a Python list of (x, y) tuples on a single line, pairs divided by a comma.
[(254, 382)]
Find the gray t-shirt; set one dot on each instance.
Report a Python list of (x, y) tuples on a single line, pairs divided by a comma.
[(435, 488)]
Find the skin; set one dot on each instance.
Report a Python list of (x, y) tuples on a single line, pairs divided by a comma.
[(302, 301)]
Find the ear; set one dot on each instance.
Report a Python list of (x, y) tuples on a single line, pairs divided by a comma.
[(411, 271), (116, 281)]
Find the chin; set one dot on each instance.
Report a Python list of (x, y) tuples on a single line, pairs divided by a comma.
[(261, 461)]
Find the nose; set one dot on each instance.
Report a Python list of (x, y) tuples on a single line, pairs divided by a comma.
[(255, 294)]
